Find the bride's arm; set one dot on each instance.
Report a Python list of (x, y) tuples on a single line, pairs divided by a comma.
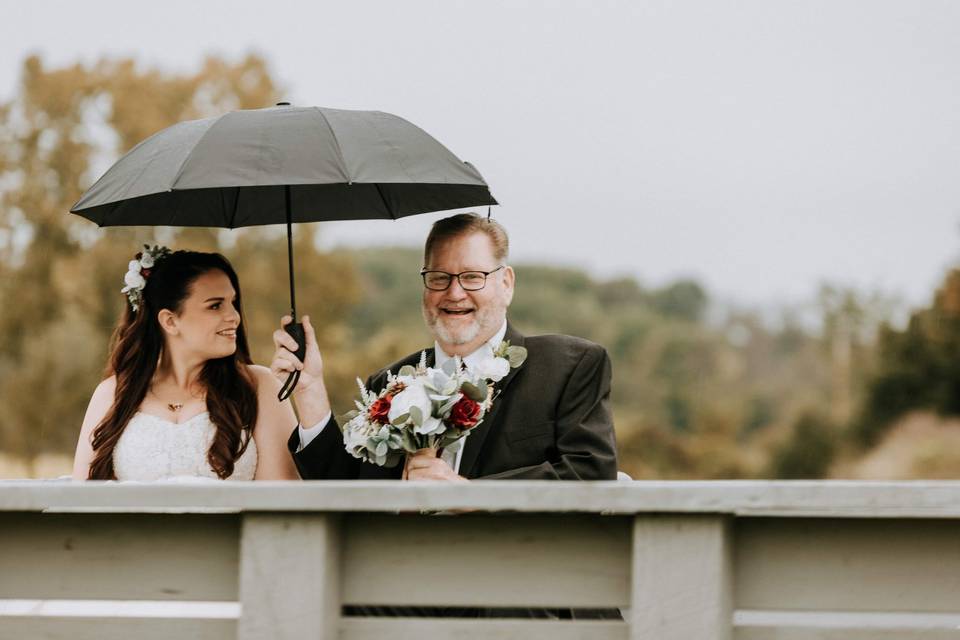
[(275, 421), (100, 403)]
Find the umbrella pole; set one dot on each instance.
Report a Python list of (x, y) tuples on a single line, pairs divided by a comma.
[(295, 329), (293, 293)]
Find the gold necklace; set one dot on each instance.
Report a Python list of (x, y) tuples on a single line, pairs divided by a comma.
[(173, 407)]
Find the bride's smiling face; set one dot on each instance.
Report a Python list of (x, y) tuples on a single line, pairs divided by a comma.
[(206, 324)]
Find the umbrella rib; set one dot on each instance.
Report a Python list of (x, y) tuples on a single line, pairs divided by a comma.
[(236, 205), (336, 143), (196, 145), (386, 204)]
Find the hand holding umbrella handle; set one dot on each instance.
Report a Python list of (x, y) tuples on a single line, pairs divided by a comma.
[(295, 329)]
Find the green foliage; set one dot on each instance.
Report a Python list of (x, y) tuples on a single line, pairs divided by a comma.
[(918, 367), (809, 452), (685, 300)]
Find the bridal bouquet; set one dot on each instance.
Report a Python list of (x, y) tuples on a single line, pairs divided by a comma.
[(424, 407)]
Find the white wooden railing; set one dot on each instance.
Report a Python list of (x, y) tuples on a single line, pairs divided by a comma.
[(681, 560)]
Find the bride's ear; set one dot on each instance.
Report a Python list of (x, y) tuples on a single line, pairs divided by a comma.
[(168, 322)]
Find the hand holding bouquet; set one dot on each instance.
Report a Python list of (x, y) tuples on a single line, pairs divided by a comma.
[(424, 407)]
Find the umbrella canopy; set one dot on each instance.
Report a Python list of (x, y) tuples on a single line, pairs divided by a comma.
[(281, 165), (230, 171)]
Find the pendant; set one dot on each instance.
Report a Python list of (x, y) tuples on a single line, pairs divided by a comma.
[(175, 406)]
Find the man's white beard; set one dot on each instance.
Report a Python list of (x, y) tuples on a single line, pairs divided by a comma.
[(448, 336), (442, 333)]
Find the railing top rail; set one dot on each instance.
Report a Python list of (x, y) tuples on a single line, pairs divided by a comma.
[(853, 499)]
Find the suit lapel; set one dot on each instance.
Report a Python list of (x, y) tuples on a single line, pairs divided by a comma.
[(474, 442)]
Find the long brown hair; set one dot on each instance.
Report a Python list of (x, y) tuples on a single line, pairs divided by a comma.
[(137, 344)]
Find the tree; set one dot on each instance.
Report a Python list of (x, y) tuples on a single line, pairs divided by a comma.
[(809, 452), (918, 367)]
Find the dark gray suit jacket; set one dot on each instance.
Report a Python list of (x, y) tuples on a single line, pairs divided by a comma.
[(550, 420)]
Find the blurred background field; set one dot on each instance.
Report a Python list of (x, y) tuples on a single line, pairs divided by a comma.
[(848, 384)]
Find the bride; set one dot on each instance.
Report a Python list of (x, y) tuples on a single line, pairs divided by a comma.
[(183, 399)]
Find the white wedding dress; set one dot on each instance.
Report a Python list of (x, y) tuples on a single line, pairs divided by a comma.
[(152, 449)]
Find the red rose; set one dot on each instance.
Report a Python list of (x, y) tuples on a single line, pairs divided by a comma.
[(379, 409), (465, 414), (145, 273)]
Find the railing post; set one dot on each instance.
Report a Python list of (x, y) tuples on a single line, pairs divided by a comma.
[(289, 576), (682, 578)]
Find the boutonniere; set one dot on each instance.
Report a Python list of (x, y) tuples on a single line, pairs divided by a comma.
[(516, 356)]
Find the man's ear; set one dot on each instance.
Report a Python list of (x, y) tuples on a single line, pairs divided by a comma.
[(168, 322), (509, 279)]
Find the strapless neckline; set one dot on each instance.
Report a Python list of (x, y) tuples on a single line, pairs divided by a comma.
[(152, 449), (171, 422)]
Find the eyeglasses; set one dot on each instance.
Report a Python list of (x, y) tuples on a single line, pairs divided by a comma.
[(469, 280)]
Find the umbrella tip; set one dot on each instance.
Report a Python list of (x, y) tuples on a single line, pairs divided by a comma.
[(283, 104)]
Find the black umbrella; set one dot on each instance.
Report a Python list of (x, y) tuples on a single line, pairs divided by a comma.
[(281, 165)]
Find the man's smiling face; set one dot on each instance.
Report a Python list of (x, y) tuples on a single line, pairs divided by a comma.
[(461, 321)]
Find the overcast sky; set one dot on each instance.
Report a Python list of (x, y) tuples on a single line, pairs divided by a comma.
[(761, 146)]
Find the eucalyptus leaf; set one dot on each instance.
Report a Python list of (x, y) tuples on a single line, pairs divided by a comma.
[(409, 441), (407, 370), (451, 366), (392, 459), (517, 356), (474, 392), (416, 415), (447, 407), (400, 420)]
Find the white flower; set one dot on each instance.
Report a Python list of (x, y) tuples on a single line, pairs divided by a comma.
[(492, 368), (134, 280), (146, 261), (134, 266), (413, 396), (355, 442)]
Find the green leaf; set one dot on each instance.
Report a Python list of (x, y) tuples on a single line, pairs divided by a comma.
[(450, 366), (407, 370), (516, 356), (416, 415), (409, 441), (447, 406), (399, 420), (393, 458), (475, 393)]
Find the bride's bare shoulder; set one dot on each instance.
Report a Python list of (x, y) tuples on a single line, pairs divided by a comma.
[(100, 403), (106, 387), (103, 395)]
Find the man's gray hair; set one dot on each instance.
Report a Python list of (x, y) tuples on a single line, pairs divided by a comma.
[(463, 224)]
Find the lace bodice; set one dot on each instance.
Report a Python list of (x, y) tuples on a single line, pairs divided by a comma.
[(152, 449)]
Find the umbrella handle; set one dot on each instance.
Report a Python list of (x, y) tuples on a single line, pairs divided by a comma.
[(295, 329)]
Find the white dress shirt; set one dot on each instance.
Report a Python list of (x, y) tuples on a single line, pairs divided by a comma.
[(452, 454)]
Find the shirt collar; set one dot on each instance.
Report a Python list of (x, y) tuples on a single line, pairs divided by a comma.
[(441, 356)]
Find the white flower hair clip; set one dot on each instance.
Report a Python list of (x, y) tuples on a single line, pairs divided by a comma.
[(138, 270)]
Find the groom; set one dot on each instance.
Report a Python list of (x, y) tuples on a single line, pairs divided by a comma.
[(551, 417)]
